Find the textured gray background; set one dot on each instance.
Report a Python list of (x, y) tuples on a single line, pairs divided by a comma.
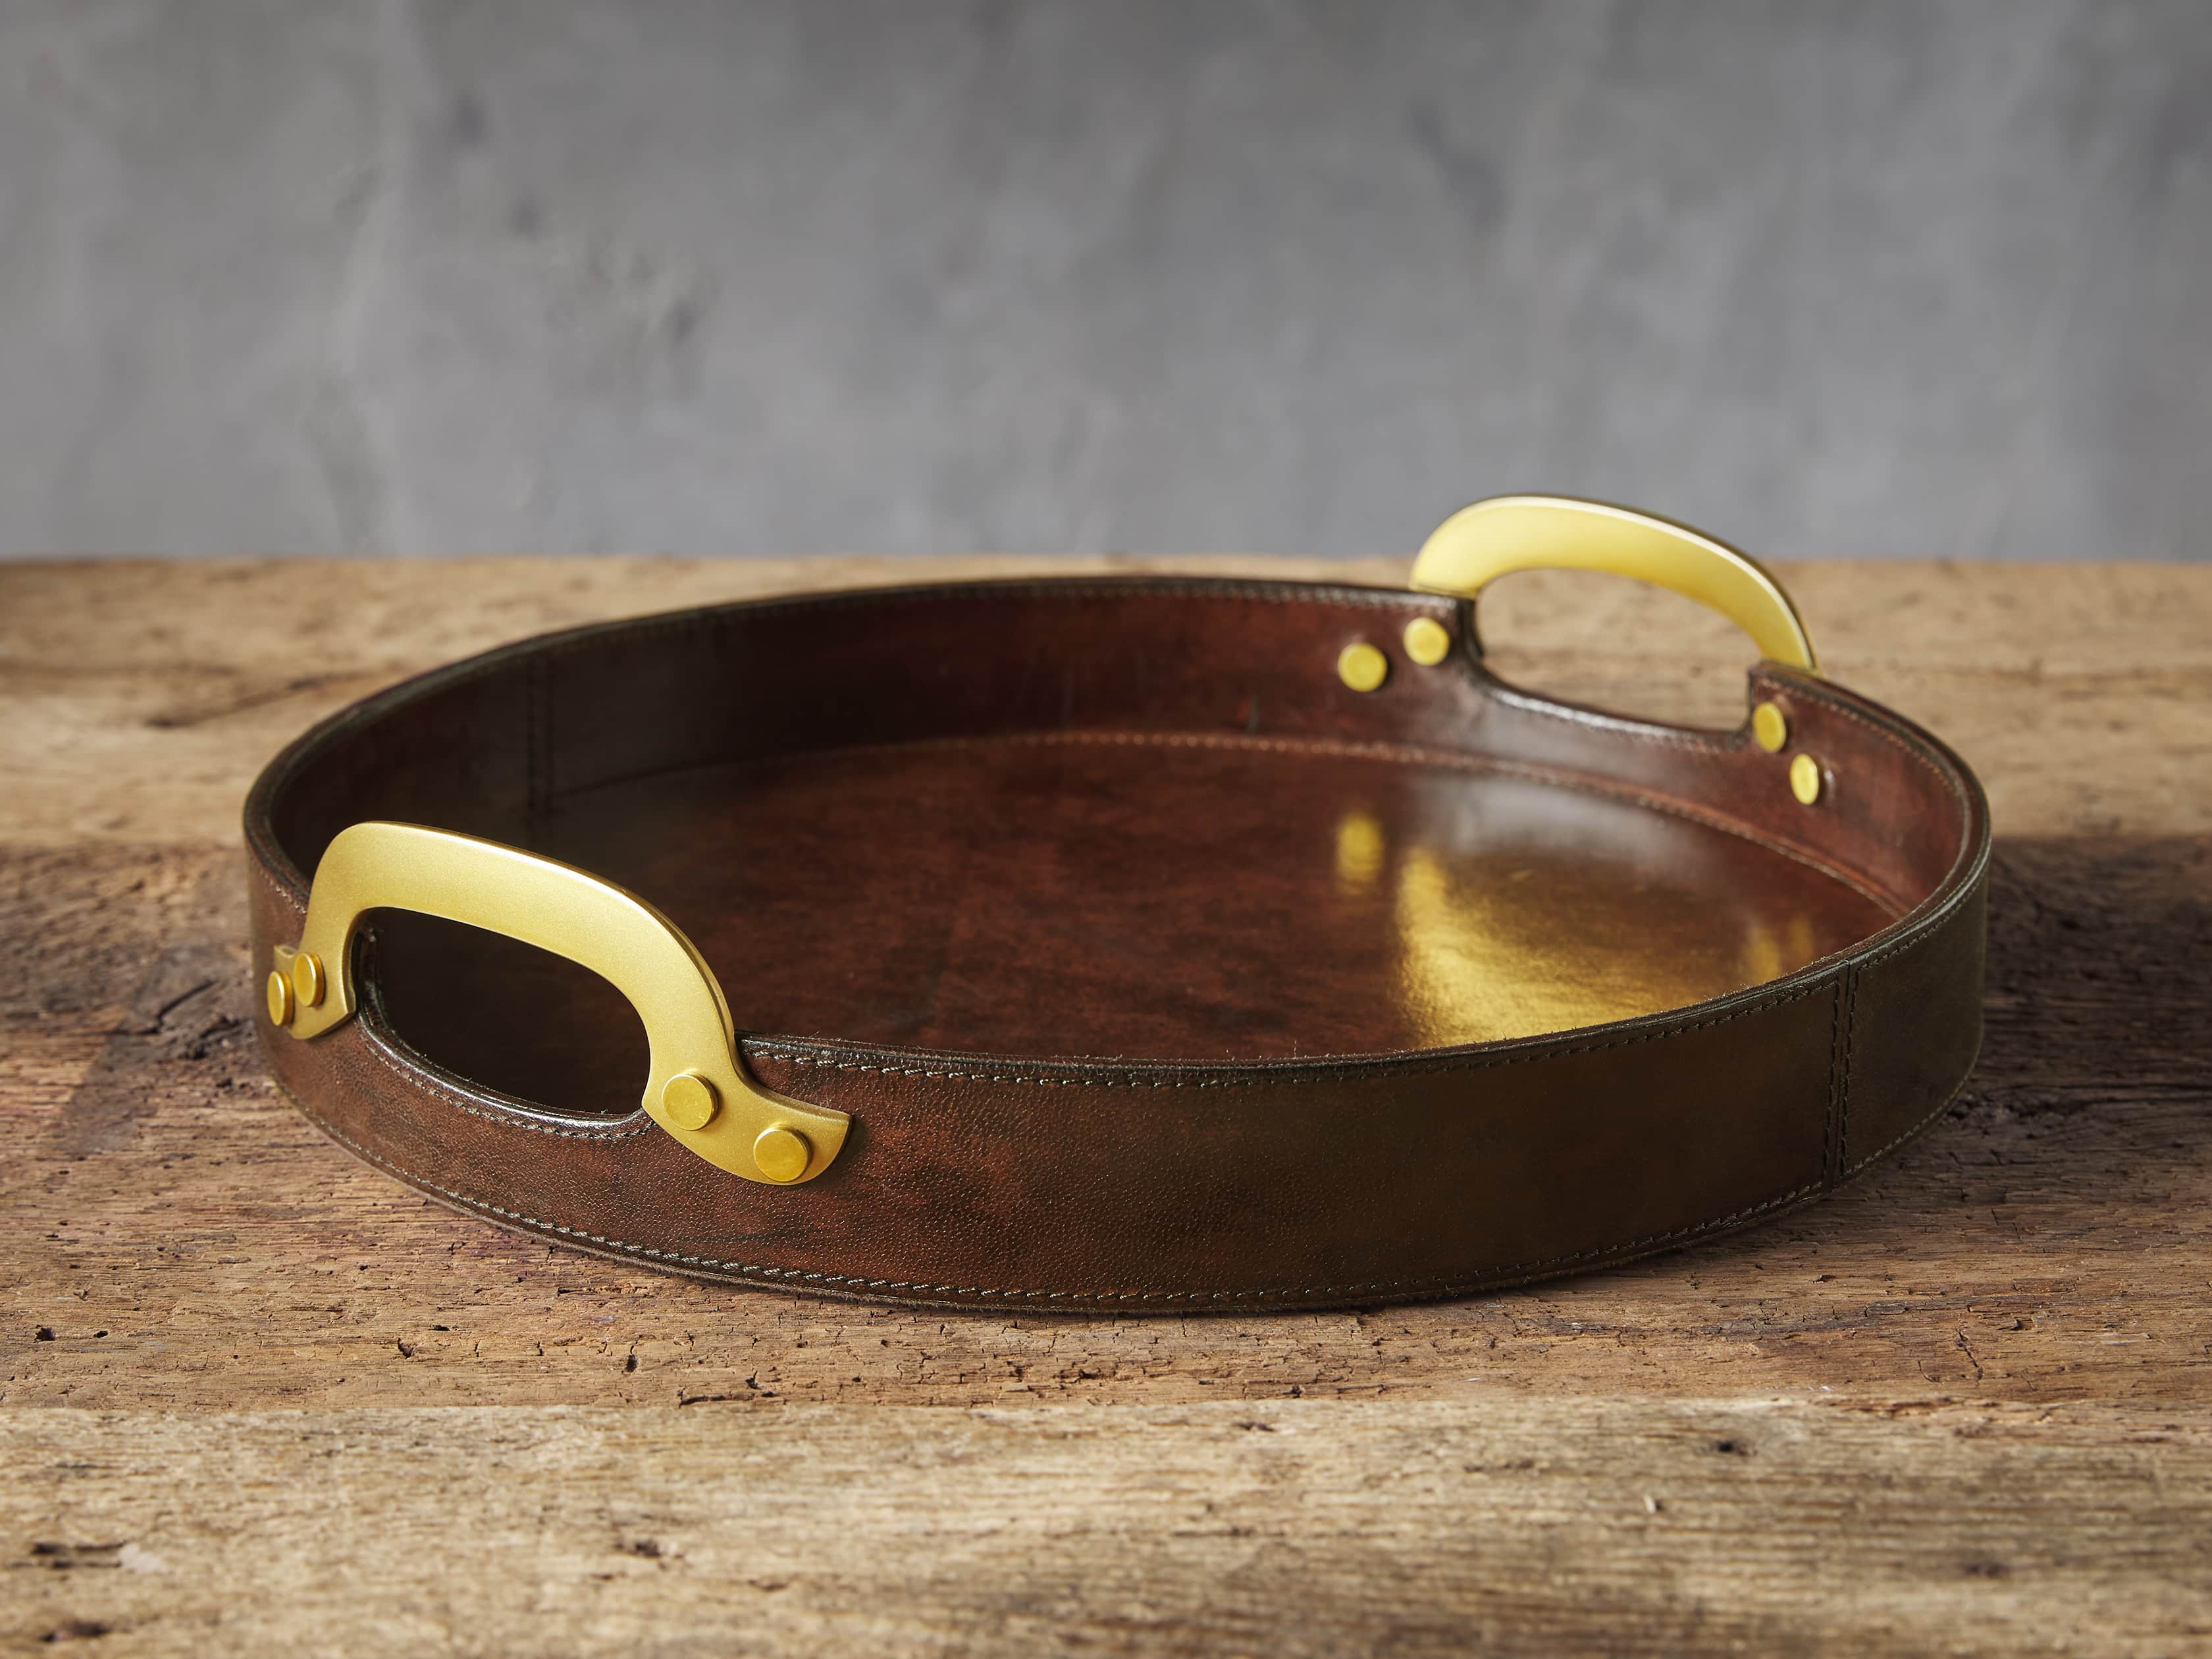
[(888, 276)]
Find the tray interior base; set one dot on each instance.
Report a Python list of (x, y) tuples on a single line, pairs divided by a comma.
[(1092, 895)]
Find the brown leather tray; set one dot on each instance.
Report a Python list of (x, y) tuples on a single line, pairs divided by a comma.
[(1151, 965)]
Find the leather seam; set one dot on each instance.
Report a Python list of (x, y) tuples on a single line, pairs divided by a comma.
[(291, 899), (1951, 910), (1613, 726), (1847, 1056), (1829, 1156), (761, 1271), (1346, 1075), (1262, 591), (1835, 706), (1885, 1150), (407, 1073)]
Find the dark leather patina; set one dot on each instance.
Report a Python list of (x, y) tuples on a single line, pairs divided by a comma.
[(1157, 970)]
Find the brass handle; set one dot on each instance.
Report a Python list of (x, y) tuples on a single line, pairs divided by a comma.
[(697, 1089), (1480, 544)]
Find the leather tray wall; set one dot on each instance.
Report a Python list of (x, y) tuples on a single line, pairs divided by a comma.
[(1157, 969)]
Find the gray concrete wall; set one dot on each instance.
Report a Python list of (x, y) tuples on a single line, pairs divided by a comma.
[(1931, 276)]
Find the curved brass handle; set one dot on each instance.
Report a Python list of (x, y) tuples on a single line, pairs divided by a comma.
[(697, 1090), (1480, 544)]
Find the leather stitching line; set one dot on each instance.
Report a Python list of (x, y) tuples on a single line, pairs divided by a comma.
[(1347, 1075), (1833, 706), (1263, 590), (1937, 920), (1828, 1158), (1880, 1153), (1616, 726), (413, 1075), (757, 1270), (1850, 1039), (291, 899), (407, 1073)]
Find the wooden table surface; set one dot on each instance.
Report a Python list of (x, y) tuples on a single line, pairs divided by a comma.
[(253, 1395)]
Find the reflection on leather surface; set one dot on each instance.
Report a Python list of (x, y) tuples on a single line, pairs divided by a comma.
[(1529, 909), (1130, 897)]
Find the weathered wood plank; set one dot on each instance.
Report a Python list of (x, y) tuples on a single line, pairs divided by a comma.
[(1287, 1527)]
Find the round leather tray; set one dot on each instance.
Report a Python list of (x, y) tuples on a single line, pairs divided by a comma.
[(1154, 967)]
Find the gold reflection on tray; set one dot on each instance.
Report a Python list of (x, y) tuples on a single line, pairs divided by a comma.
[(1510, 937)]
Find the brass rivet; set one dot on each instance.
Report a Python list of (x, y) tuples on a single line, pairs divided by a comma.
[(782, 1153), (280, 999), (1769, 726), (1428, 642), (1806, 781), (689, 1101), (1361, 666), (308, 979)]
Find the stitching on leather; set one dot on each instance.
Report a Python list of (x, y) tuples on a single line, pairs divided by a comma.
[(1262, 590), (1617, 726), (1894, 739), (410, 1073), (1939, 920), (1884, 1150), (407, 1073), (1345, 1074), (1944, 775), (792, 1275), (292, 900), (1828, 1159), (1848, 1055)]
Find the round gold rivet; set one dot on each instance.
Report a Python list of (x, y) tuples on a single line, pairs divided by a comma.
[(1361, 666), (1428, 642), (280, 999), (782, 1153), (689, 1101), (1769, 726), (308, 979), (1806, 781)]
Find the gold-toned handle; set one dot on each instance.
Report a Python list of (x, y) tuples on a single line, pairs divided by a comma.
[(1480, 544), (697, 1090)]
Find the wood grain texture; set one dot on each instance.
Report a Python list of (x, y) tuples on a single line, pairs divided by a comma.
[(2010, 1327), (1281, 1528)]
